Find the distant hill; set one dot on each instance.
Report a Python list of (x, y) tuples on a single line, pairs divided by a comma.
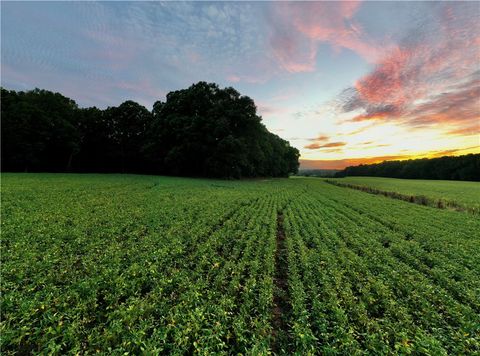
[(466, 167)]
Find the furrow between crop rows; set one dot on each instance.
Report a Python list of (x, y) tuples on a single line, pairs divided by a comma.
[(281, 304)]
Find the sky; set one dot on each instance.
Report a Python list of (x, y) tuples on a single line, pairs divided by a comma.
[(344, 82)]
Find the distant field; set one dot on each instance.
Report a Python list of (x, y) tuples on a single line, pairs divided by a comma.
[(464, 193), (163, 265)]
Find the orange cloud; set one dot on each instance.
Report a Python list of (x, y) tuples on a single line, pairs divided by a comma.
[(376, 115), (315, 146), (453, 152), (320, 138), (342, 163), (466, 131)]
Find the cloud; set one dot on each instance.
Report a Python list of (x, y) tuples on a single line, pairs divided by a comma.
[(297, 29), (333, 23), (315, 146), (466, 131), (266, 109), (359, 130), (377, 113), (332, 150), (371, 144), (430, 78), (320, 138), (141, 87), (342, 163), (246, 78), (452, 152), (290, 49), (455, 107), (233, 78)]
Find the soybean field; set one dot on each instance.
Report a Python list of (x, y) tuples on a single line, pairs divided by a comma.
[(460, 194), (129, 264)]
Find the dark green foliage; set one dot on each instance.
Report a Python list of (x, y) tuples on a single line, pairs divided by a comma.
[(199, 131), (465, 167), (208, 131), (38, 131)]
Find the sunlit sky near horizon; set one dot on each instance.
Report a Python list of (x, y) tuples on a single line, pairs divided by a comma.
[(344, 82)]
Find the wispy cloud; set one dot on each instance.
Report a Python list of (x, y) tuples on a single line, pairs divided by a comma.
[(429, 78), (342, 163), (316, 146), (466, 131), (411, 69), (320, 138), (299, 29)]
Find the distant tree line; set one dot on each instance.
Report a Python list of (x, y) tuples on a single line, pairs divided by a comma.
[(200, 131), (465, 167), (322, 173)]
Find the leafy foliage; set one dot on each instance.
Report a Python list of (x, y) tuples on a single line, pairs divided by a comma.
[(199, 131), (377, 275), (440, 193), (158, 265)]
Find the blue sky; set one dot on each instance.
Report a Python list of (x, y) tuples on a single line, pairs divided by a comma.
[(342, 81)]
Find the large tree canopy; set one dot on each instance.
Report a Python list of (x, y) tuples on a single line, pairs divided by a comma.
[(207, 131), (199, 131)]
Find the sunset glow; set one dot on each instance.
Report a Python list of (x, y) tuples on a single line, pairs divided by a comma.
[(345, 82)]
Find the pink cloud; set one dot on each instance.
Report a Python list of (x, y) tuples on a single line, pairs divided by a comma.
[(233, 78), (432, 79), (293, 52), (332, 22), (303, 26)]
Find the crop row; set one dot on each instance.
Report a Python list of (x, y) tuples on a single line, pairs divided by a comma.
[(135, 266), (132, 264), (363, 279)]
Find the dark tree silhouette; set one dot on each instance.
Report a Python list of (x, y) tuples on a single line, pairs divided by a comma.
[(38, 131), (208, 131), (465, 167), (199, 131)]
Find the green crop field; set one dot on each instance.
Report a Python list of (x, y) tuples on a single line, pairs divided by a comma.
[(466, 194), (117, 264)]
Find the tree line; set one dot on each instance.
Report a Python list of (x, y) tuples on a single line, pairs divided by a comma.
[(466, 167), (200, 131)]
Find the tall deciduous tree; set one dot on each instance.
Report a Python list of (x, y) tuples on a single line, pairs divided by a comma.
[(199, 131)]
